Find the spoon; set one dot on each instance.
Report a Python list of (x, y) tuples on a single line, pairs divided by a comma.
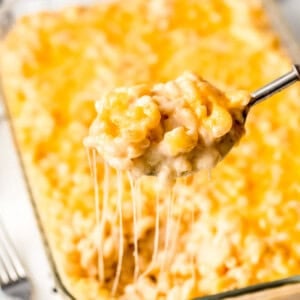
[(274, 87), (230, 139)]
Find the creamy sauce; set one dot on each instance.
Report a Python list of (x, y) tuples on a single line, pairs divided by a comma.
[(167, 130), (134, 199), (92, 159), (120, 188), (168, 233)]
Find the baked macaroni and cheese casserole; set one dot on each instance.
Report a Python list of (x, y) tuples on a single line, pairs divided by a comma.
[(214, 230)]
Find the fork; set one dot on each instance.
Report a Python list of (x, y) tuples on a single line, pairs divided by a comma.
[(13, 279)]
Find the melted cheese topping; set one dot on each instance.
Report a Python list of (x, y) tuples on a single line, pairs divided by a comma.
[(170, 129), (245, 218)]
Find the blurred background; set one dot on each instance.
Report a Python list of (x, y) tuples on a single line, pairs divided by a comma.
[(291, 11), (20, 222)]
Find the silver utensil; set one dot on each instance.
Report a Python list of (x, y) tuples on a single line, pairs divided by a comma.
[(274, 87), (13, 279), (230, 139)]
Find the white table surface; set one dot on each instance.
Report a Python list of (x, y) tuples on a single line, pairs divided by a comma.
[(15, 209), (17, 215)]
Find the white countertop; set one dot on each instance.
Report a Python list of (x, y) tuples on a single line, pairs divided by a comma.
[(17, 215), (15, 208)]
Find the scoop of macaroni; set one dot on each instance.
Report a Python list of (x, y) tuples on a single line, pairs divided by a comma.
[(170, 129)]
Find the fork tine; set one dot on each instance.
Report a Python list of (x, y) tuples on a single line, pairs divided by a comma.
[(7, 262), (9, 257), (4, 279)]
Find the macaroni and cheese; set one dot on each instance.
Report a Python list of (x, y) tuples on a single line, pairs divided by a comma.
[(170, 129), (232, 229)]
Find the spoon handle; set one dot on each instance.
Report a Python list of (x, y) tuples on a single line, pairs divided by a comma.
[(275, 86)]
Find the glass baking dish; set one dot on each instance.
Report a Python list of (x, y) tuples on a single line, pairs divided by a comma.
[(281, 289)]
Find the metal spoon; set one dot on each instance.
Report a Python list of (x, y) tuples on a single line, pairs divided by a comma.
[(274, 87), (226, 143)]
